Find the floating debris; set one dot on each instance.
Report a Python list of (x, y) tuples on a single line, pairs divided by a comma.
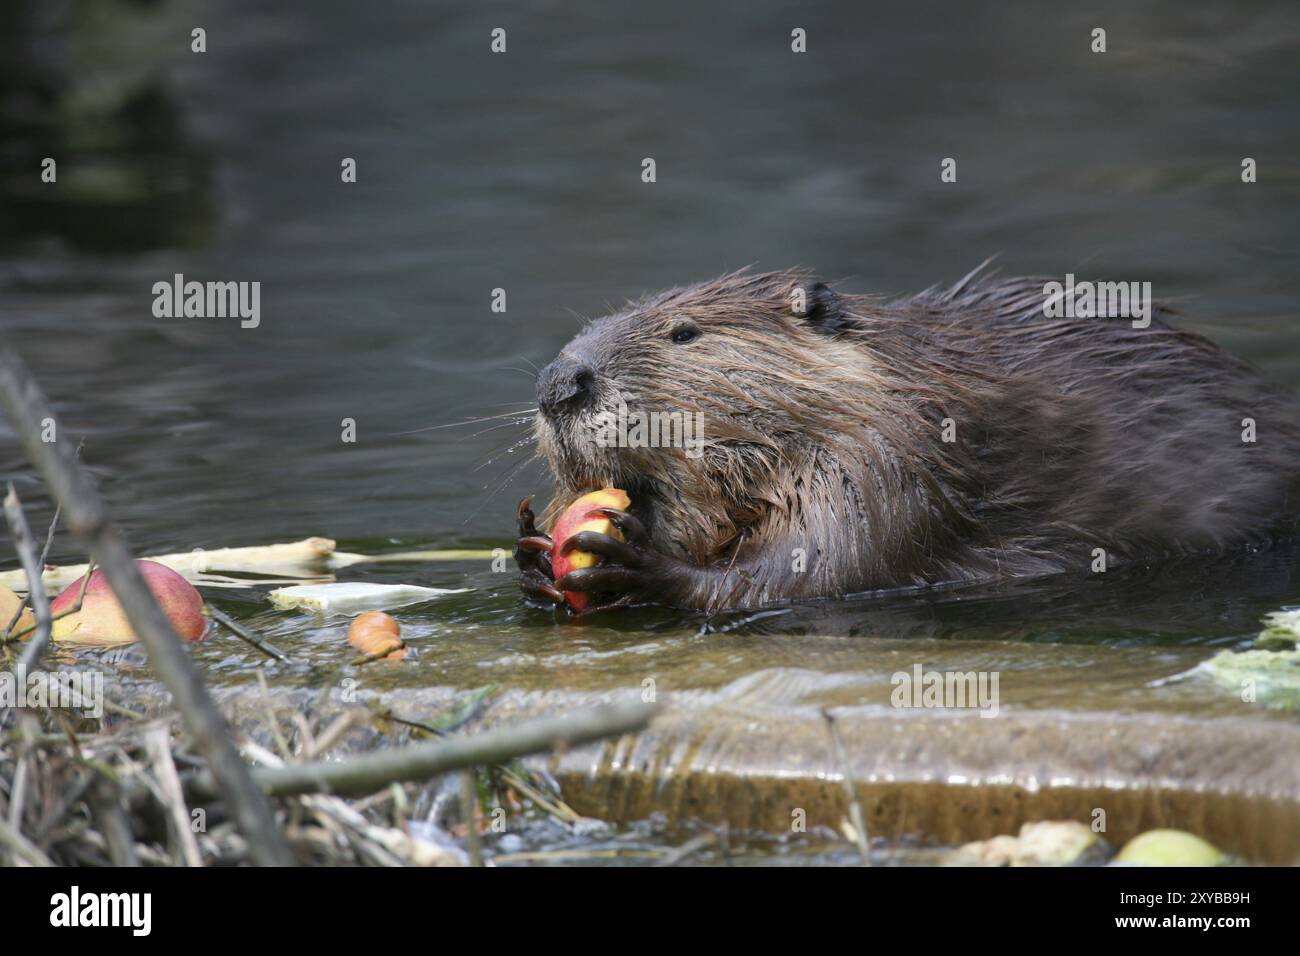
[(354, 596), (1048, 843), (308, 559)]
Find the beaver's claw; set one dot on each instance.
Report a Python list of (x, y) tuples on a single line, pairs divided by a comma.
[(631, 572), (532, 554)]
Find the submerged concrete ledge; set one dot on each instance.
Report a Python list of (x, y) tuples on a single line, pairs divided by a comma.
[(934, 776), (951, 779)]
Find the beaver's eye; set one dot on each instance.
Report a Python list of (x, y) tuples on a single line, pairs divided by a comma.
[(684, 334)]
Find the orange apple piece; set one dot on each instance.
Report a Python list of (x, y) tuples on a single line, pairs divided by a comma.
[(374, 632), (101, 619), (578, 517)]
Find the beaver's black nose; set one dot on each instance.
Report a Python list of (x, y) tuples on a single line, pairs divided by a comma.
[(564, 384)]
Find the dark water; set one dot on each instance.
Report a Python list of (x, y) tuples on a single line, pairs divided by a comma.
[(522, 172)]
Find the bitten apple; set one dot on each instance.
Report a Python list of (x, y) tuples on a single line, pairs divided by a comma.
[(101, 619), (373, 632), (578, 517)]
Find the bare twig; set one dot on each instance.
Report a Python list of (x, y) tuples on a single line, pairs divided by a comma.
[(78, 699), (855, 808), (556, 808), (105, 803), (87, 516), (564, 856), (21, 847), (16, 798), (329, 738), (45, 556), (689, 848), (246, 634), (27, 555), (67, 611), (368, 841), (283, 745), (158, 741), (369, 772)]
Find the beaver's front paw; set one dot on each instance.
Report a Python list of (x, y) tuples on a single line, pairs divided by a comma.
[(533, 555), (631, 572)]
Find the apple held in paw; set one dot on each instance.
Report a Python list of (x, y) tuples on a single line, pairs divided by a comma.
[(101, 619), (578, 517)]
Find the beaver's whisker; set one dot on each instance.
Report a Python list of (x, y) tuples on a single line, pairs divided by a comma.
[(511, 475), (522, 413), (504, 449), (513, 423)]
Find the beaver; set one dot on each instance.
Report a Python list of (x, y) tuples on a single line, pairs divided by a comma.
[(856, 443)]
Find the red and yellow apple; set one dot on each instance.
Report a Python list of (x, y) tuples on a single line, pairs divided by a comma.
[(101, 619), (579, 517), (373, 632)]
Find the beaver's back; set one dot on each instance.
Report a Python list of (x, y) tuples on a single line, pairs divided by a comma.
[(1079, 433)]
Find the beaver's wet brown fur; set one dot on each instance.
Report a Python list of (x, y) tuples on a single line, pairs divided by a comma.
[(825, 470)]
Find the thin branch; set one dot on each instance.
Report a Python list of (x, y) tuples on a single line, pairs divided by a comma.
[(66, 612), (367, 773), (856, 816), (45, 557), (158, 745), (87, 515), (247, 634), (105, 803), (24, 545), (21, 847)]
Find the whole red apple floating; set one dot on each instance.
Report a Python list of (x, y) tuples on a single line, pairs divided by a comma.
[(101, 619), (578, 517)]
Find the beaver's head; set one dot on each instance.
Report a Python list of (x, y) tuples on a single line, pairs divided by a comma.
[(709, 404)]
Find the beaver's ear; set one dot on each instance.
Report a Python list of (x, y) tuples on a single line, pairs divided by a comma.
[(818, 305)]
